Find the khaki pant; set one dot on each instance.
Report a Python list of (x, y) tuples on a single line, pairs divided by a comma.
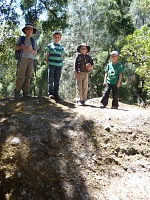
[(24, 74), (82, 86)]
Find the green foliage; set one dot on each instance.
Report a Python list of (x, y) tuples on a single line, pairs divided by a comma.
[(8, 14), (140, 12), (55, 13), (8, 63), (137, 52), (101, 24)]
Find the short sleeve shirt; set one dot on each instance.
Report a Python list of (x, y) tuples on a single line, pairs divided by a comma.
[(55, 54), (113, 72), (24, 53)]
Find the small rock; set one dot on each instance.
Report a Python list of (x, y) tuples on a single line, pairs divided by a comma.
[(107, 128), (15, 141)]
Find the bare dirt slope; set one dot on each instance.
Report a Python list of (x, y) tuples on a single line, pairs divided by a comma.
[(59, 151)]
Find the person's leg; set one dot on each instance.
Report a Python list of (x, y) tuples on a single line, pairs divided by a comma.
[(28, 76), (21, 70), (115, 96), (57, 75), (79, 96), (105, 97), (85, 86), (51, 70)]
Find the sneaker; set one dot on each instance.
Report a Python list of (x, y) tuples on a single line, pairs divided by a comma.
[(17, 96), (83, 103), (114, 107), (102, 106), (26, 95), (51, 96), (79, 103)]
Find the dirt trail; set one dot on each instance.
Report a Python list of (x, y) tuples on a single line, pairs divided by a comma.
[(59, 151)]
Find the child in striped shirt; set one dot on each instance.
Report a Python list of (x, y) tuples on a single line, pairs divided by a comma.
[(54, 61)]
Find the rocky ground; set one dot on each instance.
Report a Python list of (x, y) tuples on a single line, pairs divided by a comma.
[(59, 151)]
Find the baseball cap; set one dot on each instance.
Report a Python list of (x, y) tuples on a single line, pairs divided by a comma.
[(114, 53), (56, 32)]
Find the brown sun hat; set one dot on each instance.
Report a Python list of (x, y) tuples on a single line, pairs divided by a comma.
[(83, 45), (30, 26)]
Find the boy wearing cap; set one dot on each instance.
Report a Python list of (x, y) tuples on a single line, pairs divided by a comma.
[(82, 65), (112, 80), (25, 63), (54, 61)]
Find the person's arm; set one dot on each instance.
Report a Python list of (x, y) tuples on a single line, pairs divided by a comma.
[(27, 48), (19, 47), (34, 52), (105, 78), (119, 80), (47, 54), (75, 69)]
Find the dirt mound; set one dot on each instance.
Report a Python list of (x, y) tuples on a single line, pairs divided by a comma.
[(59, 151)]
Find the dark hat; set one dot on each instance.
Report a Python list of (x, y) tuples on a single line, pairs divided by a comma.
[(56, 32), (114, 53), (30, 26), (83, 45)]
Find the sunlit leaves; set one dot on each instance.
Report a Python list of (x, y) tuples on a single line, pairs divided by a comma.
[(55, 12), (8, 14), (137, 51)]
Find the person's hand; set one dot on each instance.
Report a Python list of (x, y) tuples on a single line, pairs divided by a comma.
[(89, 66), (104, 84), (76, 74), (22, 47), (28, 48), (118, 84)]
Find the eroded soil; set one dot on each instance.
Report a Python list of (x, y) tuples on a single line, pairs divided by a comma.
[(59, 151)]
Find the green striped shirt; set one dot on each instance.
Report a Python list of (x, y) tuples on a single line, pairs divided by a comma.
[(55, 54)]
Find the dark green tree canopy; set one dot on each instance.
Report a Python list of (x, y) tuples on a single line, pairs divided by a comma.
[(55, 12), (8, 14)]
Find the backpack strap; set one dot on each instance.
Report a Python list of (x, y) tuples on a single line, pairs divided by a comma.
[(33, 43), (22, 40)]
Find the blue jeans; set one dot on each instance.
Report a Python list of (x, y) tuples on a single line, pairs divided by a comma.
[(54, 74), (105, 97)]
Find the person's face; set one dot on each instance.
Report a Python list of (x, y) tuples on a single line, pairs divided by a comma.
[(56, 38), (114, 58), (29, 31), (83, 50)]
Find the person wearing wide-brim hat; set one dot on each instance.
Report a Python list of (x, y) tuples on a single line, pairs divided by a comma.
[(27, 48), (29, 26), (82, 65), (83, 45)]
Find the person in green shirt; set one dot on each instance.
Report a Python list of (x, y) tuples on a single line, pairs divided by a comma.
[(112, 80)]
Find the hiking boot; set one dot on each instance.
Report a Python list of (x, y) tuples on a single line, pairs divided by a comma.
[(26, 95), (114, 107), (17, 96)]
